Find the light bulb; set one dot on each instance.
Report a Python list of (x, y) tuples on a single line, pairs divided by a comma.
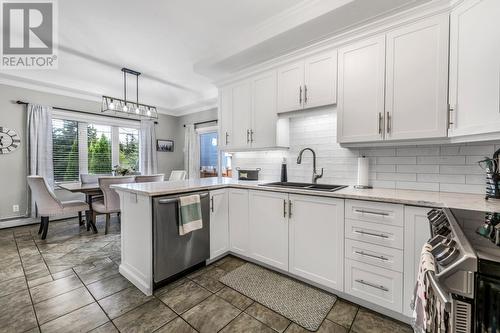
[(149, 112), (112, 105), (125, 108), (137, 111)]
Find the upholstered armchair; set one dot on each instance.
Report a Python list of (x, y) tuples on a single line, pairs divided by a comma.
[(111, 203), (48, 205)]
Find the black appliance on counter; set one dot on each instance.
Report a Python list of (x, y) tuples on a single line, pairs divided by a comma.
[(173, 254), (248, 174)]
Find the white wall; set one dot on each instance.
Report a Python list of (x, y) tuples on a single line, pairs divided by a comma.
[(447, 168)]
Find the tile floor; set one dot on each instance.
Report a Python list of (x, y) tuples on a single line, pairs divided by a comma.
[(70, 282)]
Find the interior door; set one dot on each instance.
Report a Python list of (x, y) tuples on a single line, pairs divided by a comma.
[(320, 81), (417, 80), (264, 116), (241, 118), (361, 74), (291, 87), (219, 223), (238, 221), (316, 243), (269, 228), (475, 67)]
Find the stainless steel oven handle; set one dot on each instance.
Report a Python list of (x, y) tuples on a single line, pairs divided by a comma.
[(370, 234), (441, 294), (369, 284), (172, 200)]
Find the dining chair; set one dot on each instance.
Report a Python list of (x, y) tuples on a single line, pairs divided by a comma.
[(150, 179), (111, 201), (48, 205), (178, 175), (87, 178)]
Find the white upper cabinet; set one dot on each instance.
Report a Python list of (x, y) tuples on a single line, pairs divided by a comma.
[(308, 83), (416, 80), (361, 73), (320, 80), (269, 228), (475, 68), (241, 107), (225, 119), (290, 87), (219, 223)]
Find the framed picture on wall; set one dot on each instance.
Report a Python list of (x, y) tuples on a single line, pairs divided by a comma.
[(165, 145)]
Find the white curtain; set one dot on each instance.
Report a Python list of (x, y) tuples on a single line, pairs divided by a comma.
[(39, 132), (191, 152), (148, 159)]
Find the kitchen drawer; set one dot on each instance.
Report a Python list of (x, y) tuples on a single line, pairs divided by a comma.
[(374, 284), (380, 212), (376, 255), (380, 234)]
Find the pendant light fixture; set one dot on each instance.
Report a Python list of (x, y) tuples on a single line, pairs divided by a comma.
[(124, 106)]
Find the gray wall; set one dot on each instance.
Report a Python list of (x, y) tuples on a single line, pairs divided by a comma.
[(13, 166)]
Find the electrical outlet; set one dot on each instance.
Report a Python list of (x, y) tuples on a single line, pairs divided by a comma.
[(15, 208)]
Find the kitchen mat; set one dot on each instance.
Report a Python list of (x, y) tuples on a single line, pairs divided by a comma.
[(302, 304)]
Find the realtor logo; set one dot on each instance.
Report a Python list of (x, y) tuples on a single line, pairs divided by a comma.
[(28, 31)]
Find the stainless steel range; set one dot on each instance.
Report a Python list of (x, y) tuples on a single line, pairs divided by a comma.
[(457, 263)]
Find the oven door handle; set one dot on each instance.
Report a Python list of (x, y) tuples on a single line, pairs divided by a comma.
[(441, 294)]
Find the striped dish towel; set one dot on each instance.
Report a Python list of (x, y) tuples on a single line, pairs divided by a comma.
[(190, 218)]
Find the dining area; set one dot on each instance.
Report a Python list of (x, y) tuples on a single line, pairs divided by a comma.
[(98, 198)]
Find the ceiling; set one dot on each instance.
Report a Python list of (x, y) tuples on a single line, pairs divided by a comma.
[(180, 46)]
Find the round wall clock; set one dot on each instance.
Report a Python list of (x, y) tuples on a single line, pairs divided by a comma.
[(9, 140)]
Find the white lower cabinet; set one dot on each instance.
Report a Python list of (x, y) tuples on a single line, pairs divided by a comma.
[(417, 233), (238, 221), (219, 223), (374, 284), (316, 239), (268, 228)]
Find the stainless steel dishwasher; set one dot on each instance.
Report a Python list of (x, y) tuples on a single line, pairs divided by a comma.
[(172, 253)]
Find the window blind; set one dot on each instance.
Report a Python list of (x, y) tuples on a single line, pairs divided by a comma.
[(65, 153)]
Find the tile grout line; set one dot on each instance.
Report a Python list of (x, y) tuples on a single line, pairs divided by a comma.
[(26, 280)]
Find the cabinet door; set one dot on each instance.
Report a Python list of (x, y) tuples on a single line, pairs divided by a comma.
[(225, 121), (417, 80), (241, 118), (320, 80), (238, 221), (219, 223), (269, 228), (475, 67), (290, 87), (317, 240), (264, 116), (417, 233), (361, 91)]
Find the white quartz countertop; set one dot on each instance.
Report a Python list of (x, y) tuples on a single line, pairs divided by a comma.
[(408, 197)]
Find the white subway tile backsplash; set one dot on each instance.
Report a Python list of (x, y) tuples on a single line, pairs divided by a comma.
[(447, 168)]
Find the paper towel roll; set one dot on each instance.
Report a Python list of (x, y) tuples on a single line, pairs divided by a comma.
[(363, 170)]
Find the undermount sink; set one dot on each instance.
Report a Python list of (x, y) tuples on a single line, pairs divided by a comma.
[(306, 186)]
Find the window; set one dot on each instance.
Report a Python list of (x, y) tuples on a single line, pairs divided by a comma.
[(208, 154), (92, 147), (129, 147), (65, 150)]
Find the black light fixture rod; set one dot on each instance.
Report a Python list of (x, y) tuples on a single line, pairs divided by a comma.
[(125, 87), (137, 90)]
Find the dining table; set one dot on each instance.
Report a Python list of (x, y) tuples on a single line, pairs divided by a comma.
[(91, 192)]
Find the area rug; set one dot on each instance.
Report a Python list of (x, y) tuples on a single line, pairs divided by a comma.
[(302, 304)]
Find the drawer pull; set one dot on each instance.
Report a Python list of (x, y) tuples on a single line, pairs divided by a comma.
[(362, 211), (370, 234), (372, 285), (371, 255)]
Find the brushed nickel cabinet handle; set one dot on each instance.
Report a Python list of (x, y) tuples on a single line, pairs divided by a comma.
[(248, 135), (305, 94), (388, 122), (371, 234), (362, 211), (373, 285), (380, 123), (284, 208), (300, 95), (289, 208), (212, 204), (371, 255), (251, 136), (227, 136)]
